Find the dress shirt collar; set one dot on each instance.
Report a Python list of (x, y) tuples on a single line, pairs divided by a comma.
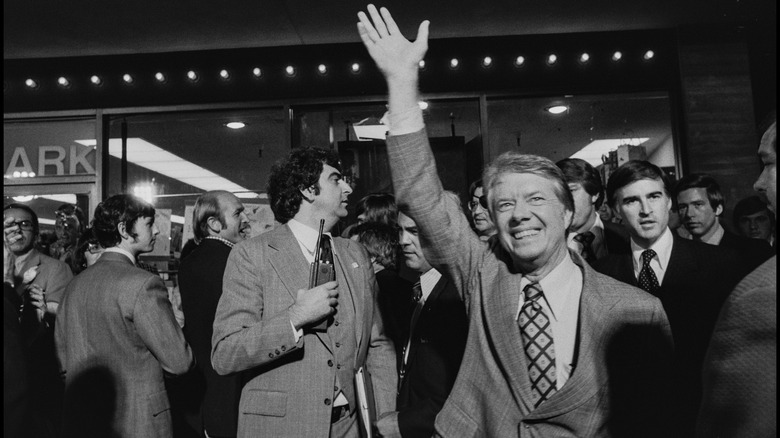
[(428, 281), (556, 285), (717, 236), (126, 253), (221, 239), (662, 248), (307, 237)]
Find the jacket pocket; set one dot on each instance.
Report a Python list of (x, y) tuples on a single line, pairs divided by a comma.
[(159, 403), (270, 403)]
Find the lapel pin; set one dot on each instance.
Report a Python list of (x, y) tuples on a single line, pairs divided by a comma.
[(355, 265)]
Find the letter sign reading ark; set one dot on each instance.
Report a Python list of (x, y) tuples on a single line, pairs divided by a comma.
[(52, 161)]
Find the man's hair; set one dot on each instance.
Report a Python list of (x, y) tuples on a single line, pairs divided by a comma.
[(513, 162), (378, 207), (474, 186), (750, 205), (381, 241), (33, 216), (74, 210), (114, 210), (206, 206), (79, 261), (701, 181), (299, 171), (577, 170), (633, 171), (766, 123)]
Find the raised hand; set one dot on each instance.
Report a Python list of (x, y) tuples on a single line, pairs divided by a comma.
[(312, 305), (395, 56)]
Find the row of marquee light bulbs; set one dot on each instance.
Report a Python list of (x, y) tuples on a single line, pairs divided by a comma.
[(322, 69)]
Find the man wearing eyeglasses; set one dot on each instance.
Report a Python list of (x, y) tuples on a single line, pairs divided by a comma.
[(39, 281), (480, 218)]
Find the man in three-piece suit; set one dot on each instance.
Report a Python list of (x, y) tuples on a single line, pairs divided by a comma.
[(691, 278), (554, 348), (700, 203), (116, 335), (588, 235), (218, 222), (39, 283), (740, 368), (432, 354), (301, 346)]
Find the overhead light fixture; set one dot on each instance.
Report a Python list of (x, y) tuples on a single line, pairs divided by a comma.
[(557, 109), (322, 69), (423, 105), (235, 125), (26, 198), (617, 56), (552, 58), (520, 60), (487, 61), (96, 80), (128, 79), (156, 159), (593, 152), (584, 57), (63, 82), (192, 75), (257, 72), (31, 83), (421, 63), (355, 67), (224, 74), (454, 63), (648, 55), (290, 70), (160, 77)]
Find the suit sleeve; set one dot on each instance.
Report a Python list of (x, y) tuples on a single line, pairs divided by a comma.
[(156, 325), (244, 337), (58, 280), (448, 242)]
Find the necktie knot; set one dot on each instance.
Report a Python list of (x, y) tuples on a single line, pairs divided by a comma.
[(417, 291), (647, 279), (532, 292), (326, 251), (647, 256), (585, 238)]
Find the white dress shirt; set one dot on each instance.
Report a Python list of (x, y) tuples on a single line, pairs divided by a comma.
[(659, 263), (562, 289)]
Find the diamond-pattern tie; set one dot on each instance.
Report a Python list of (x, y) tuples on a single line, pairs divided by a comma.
[(417, 291), (647, 279), (538, 342), (586, 240)]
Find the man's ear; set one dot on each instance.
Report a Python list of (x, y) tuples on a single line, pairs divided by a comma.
[(719, 210), (214, 224), (616, 212), (308, 193), (122, 229)]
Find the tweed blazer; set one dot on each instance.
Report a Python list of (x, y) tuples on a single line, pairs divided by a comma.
[(740, 368), (53, 275), (116, 337), (290, 385), (623, 342)]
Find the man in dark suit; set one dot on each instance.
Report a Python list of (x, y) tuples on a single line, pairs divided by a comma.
[(588, 235), (553, 348), (432, 354), (752, 219), (700, 204), (301, 345), (740, 369), (218, 222), (116, 335), (691, 278)]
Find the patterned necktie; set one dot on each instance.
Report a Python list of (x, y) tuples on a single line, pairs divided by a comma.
[(326, 253), (647, 279), (417, 291), (586, 239), (538, 342)]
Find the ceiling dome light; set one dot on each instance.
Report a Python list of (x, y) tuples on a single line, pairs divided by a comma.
[(648, 55), (257, 72), (423, 105), (616, 56), (454, 63), (289, 70), (322, 68), (552, 58), (160, 77), (584, 57), (224, 74), (557, 109), (520, 60), (17, 174), (355, 67), (62, 81), (487, 61), (235, 125), (192, 75), (96, 80), (421, 63), (25, 198), (31, 83), (25, 174), (128, 79)]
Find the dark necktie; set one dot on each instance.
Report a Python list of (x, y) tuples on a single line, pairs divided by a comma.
[(417, 291), (326, 253), (647, 279), (538, 343), (586, 239)]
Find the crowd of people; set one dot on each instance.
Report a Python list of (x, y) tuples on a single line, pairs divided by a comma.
[(553, 304)]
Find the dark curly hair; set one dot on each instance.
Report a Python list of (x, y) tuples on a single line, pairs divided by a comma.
[(114, 210), (378, 207), (381, 241), (299, 171)]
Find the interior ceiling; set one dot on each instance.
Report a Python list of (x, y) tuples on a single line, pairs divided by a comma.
[(44, 29)]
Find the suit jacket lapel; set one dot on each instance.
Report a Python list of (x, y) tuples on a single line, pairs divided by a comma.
[(345, 265), (34, 259), (682, 263), (430, 301)]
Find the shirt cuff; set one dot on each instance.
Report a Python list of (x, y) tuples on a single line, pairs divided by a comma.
[(297, 333), (406, 121)]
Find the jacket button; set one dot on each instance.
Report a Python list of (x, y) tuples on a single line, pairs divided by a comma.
[(335, 389), (277, 352), (336, 322), (327, 401), (271, 355), (338, 344), (338, 366), (330, 363), (284, 348)]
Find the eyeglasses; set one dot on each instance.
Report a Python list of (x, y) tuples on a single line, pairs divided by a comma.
[(24, 225), (482, 201)]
